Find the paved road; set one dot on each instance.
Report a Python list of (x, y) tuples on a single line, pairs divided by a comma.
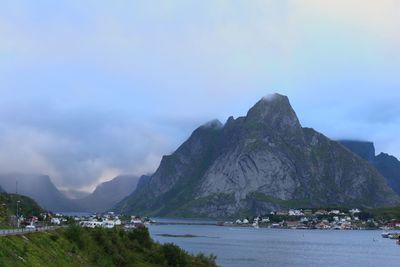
[(21, 231)]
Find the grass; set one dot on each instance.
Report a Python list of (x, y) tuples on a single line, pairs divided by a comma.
[(75, 246), (293, 203), (386, 212)]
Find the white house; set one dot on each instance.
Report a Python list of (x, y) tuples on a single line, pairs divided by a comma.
[(108, 224), (353, 211), (55, 221), (296, 213)]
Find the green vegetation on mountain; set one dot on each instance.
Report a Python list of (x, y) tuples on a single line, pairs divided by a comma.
[(287, 204), (75, 246), (392, 213), (8, 207)]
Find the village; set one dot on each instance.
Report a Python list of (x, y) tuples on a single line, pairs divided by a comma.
[(107, 220), (323, 219)]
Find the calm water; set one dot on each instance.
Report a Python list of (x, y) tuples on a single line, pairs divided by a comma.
[(276, 247)]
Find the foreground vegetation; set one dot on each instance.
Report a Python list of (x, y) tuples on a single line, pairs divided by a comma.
[(75, 246)]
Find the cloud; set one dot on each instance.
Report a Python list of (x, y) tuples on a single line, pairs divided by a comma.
[(78, 150), (89, 89)]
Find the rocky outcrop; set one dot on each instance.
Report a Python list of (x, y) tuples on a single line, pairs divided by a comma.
[(257, 163)]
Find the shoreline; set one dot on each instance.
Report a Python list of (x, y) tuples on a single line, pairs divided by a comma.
[(268, 227)]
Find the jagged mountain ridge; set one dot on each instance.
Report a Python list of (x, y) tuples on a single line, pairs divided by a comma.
[(258, 163), (387, 165)]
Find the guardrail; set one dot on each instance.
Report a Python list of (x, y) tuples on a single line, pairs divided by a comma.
[(21, 231)]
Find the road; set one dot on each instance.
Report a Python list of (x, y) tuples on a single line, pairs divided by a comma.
[(22, 231)]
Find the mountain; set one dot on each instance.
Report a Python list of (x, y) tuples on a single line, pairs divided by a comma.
[(38, 187), (257, 163), (107, 194), (1, 190), (387, 165)]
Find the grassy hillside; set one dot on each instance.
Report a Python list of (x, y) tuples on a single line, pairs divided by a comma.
[(75, 246), (386, 213), (8, 207)]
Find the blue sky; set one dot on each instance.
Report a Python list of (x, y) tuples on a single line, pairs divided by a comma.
[(91, 89)]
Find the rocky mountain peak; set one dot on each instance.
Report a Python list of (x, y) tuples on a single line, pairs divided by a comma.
[(213, 124), (275, 112)]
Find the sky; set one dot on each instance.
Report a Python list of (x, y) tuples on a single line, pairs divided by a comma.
[(93, 89)]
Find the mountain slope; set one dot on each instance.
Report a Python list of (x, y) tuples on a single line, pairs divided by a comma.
[(38, 187), (8, 206), (258, 163), (387, 165), (107, 194)]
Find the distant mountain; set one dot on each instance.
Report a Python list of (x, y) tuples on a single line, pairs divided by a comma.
[(107, 194), (38, 187), (387, 165), (364, 149), (254, 164), (1, 189), (74, 194)]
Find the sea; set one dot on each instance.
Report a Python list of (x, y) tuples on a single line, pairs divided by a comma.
[(247, 246)]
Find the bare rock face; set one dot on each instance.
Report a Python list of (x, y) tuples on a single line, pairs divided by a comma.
[(258, 163)]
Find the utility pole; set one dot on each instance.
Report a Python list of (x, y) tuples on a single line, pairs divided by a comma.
[(17, 214)]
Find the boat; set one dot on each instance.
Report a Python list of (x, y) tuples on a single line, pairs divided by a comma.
[(391, 235), (385, 234)]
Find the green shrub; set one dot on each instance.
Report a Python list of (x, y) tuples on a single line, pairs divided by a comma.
[(174, 255), (76, 246)]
